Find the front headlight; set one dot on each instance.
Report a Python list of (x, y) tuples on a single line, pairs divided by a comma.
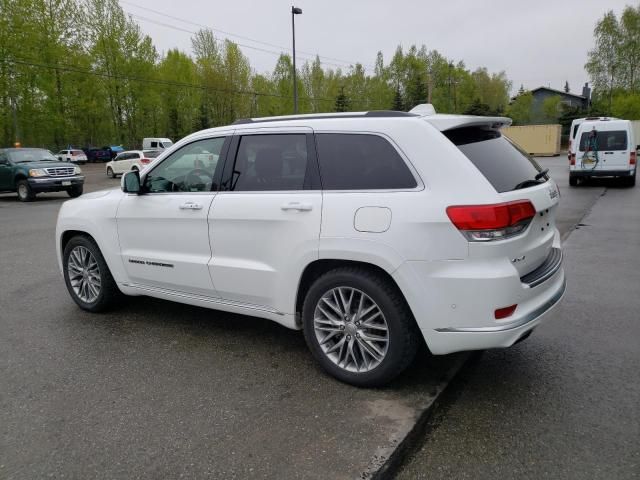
[(77, 170), (37, 172)]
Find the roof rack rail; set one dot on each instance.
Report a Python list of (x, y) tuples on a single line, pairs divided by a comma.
[(371, 114)]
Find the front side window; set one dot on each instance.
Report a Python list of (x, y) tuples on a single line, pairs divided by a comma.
[(603, 140), (361, 162), (190, 169), (270, 162)]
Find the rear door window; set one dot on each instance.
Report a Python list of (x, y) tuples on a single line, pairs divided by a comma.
[(270, 162), (361, 162), (611, 140), (501, 162)]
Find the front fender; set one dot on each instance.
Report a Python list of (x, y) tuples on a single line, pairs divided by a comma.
[(94, 214)]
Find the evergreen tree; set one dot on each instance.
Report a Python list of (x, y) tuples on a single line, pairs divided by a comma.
[(521, 89), (342, 102), (398, 104), (566, 87)]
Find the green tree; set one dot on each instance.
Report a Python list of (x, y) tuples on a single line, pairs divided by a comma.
[(342, 102), (551, 109), (626, 106), (520, 109)]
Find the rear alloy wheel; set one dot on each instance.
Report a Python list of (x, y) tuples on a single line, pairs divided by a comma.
[(359, 327), (87, 275), (25, 194), (75, 191), (110, 173)]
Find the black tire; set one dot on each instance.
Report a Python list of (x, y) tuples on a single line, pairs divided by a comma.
[(75, 192), (404, 337), (630, 181), (110, 173), (108, 293), (573, 181), (24, 191)]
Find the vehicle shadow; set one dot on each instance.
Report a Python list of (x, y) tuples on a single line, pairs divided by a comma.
[(241, 336)]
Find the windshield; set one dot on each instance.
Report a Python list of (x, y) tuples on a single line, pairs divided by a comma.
[(25, 155), (151, 153), (166, 144)]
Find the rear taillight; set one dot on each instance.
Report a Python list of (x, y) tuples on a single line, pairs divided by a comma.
[(485, 223), (572, 159), (145, 161), (632, 158)]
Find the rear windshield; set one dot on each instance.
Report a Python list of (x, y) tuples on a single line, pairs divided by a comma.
[(151, 153), (604, 140), (502, 163)]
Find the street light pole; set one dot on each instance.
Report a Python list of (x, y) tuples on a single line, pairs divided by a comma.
[(294, 11)]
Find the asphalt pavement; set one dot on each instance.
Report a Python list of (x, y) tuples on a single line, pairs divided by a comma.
[(163, 390)]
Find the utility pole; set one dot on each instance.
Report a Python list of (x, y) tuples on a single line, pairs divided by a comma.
[(429, 84), (294, 11)]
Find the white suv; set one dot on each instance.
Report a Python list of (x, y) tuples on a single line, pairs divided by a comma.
[(369, 231)]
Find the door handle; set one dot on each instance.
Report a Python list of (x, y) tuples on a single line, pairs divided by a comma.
[(608, 153), (301, 207), (190, 206)]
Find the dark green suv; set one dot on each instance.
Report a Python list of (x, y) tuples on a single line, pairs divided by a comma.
[(28, 171)]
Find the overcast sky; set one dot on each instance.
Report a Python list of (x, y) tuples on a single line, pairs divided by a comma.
[(537, 43)]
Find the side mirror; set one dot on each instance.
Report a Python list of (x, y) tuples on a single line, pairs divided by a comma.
[(131, 182)]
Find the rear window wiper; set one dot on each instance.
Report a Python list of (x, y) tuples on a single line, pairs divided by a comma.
[(530, 182)]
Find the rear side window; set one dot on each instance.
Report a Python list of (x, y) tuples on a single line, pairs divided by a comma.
[(151, 153), (604, 140), (270, 162), (502, 163), (575, 131), (361, 162)]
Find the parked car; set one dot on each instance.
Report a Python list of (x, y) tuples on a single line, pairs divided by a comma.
[(156, 143), (73, 156), (29, 171), (98, 154), (604, 148), (372, 232), (131, 160), (115, 150)]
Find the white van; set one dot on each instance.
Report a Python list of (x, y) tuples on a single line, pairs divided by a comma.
[(156, 143), (604, 148), (574, 129)]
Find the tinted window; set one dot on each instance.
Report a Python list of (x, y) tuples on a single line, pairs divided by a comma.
[(502, 163), (190, 169), (154, 144), (270, 162), (361, 162), (604, 140), (575, 131)]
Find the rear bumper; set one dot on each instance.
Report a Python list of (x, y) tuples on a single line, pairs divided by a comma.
[(602, 173), (55, 184), (454, 302)]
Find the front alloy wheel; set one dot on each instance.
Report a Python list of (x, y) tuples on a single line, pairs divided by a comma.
[(351, 329), (84, 274), (87, 275)]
